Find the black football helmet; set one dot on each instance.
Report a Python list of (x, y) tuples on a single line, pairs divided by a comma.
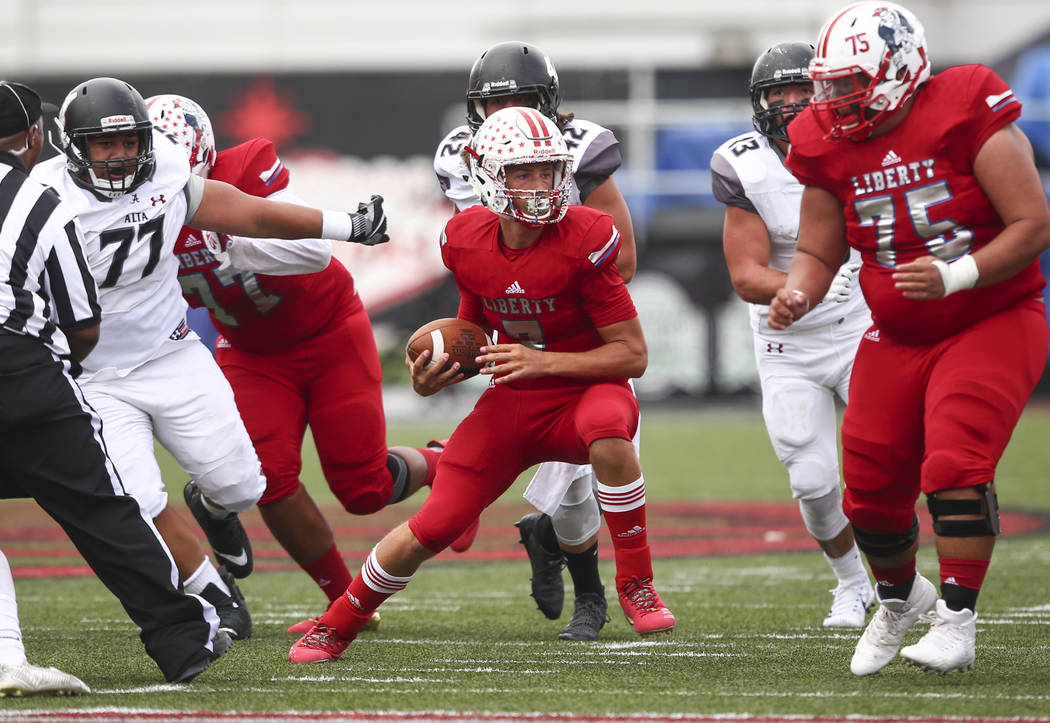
[(101, 107), (783, 64), (512, 68)]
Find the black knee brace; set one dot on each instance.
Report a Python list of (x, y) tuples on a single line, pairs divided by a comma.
[(986, 505), (883, 544), (399, 471)]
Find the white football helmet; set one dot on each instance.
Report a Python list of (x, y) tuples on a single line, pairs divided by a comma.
[(870, 58), (518, 136), (188, 124)]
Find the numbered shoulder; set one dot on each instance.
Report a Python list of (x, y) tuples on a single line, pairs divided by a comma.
[(451, 170), (253, 166), (595, 149)]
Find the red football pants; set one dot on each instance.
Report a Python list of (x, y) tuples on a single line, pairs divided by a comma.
[(938, 416), (332, 383), (508, 431)]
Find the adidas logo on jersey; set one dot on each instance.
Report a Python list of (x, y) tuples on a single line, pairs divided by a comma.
[(890, 159), (872, 335), (193, 240), (514, 288)]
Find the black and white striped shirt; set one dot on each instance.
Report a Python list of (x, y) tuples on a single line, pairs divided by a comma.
[(45, 282)]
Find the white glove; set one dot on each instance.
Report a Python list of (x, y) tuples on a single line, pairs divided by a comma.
[(367, 226), (842, 284)]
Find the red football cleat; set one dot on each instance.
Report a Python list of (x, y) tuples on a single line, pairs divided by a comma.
[(644, 608), (321, 645), (465, 540), (304, 626)]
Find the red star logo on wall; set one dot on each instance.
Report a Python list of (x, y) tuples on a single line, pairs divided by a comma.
[(262, 112)]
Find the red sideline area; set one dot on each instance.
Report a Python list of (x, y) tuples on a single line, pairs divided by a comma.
[(37, 547), (107, 716)]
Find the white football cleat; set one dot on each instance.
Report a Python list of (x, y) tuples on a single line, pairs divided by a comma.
[(850, 606), (29, 679), (882, 638), (950, 644)]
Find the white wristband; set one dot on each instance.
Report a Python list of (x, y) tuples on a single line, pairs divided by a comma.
[(959, 274), (336, 225)]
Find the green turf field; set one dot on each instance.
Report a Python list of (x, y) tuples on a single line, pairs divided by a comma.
[(466, 637)]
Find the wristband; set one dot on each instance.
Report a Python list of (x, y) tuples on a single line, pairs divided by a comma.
[(959, 274), (337, 225)]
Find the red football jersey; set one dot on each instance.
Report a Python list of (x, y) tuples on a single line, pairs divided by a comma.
[(258, 312), (553, 295), (912, 192)]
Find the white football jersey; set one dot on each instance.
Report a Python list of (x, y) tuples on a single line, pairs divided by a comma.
[(595, 156), (130, 243), (749, 172)]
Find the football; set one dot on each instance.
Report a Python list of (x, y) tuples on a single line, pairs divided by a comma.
[(458, 338)]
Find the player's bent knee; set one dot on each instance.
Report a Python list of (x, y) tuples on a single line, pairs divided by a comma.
[(813, 478), (580, 490), (943, 469), (229, 486), (978, 510), (886, 544), (279, 488), (823, 516), (577, 523), (363, 503)]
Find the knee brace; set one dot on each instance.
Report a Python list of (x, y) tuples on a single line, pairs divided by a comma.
[(813, 478), (886, 544), (823, 515), (576, 521), (398, 467), (986, 505)]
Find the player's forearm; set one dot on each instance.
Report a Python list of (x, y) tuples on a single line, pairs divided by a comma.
[(757, 284), (613, 360)]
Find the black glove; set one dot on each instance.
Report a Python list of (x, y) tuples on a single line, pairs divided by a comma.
[(369, 223)]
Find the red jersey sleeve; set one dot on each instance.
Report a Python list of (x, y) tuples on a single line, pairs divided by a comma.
[(991, 106), (604, 294), (253, 167)]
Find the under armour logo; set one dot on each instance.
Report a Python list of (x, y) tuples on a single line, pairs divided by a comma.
[(154, 200), (772, 348)]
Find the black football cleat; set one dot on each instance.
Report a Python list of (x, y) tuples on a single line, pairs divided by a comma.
[(548, 588), (226, 535)]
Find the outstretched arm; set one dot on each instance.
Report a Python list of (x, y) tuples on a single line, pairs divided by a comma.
[(228, 210)]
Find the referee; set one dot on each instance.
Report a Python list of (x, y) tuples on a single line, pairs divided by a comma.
[(51, 447)]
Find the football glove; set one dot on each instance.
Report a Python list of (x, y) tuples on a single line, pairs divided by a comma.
[(842, 284), (369, 223)]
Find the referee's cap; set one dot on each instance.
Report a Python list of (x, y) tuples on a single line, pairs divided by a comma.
[(20, 107)]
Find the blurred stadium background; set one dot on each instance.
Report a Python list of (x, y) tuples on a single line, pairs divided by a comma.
[(356, 95)]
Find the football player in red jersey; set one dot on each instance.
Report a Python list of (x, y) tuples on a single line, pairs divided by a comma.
[(297, 347), (565, 531), (542, 273), (929, 177)]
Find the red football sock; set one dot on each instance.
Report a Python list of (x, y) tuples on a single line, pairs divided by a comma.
[(330, 573), (349, 613), (624, 511), (893, 575), (965, 573), (431, 455)]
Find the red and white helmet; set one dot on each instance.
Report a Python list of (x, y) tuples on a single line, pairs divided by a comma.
[(870, 58), (519, 136), (188, 124)]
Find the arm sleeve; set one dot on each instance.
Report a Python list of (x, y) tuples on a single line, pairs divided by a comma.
[(280, 257), (69, 284), (726, 185), (194, 191)]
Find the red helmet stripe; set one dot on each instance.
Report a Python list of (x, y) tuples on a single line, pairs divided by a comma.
[(822, 42), (536, 125)]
